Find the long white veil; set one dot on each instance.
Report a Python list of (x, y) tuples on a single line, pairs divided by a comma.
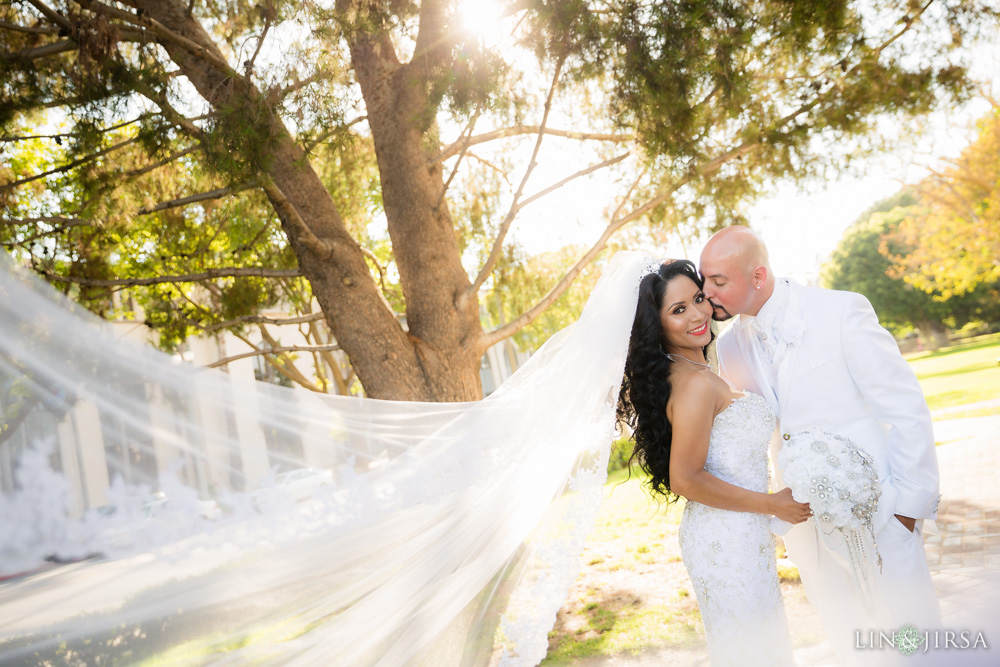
[(441, 533)]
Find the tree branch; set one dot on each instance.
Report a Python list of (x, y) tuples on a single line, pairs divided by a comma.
[(69, 222), (74, 134), (583, 172), (163, 32), (23, 28), (492, 166), (67, 167), (287, 211), (156, 165), (493, 337), (65, 45), (42, 51), (263, 319), (454, 171), (192, 199), (64, 224), (433, 44), (208, 274), (278, 94), (287, 369), (52, 14), (498, 242), (326, 135), (378, 266), (908, 22), (159, 98), (331, 362), (631, 189), (528, 129), (260, 42)]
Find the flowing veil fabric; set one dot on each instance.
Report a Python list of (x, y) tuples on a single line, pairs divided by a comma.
[(446, 534)]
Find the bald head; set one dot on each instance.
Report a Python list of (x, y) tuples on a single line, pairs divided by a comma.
[(738, 245), (737, 272)]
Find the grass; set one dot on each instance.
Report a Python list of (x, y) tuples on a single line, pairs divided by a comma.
[(199, 650), (605, 614), (615, 633), (961, 374), (628, 514)]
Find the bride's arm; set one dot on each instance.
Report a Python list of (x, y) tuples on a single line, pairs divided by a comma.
[(692, 411)]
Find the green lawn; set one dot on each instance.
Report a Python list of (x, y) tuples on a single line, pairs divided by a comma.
[(959, 375), (632, 593)]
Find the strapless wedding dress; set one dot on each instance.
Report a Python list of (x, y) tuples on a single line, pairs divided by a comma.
[(730, 555)]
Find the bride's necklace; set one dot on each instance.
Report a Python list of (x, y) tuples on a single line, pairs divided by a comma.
[(676, 357)]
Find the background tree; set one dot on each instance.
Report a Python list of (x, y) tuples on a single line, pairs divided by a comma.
[(856, 265), (225, 155), (861, 263), (955, 232)]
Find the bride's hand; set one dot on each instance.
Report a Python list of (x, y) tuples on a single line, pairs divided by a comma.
[(786, 508)]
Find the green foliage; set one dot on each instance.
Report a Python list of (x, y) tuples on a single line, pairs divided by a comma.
[(621, 451), (723, 98), (955, 233), (860, 264), (519, 282), (856, 265)]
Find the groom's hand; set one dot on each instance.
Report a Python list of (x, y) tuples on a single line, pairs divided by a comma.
[(907, 521)]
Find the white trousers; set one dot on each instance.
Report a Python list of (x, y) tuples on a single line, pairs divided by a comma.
[(903, 591)]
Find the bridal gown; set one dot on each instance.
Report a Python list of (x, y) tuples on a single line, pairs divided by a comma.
[(730, 555)]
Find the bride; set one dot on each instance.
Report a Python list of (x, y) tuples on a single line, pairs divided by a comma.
[(447, 534), (695, 438)]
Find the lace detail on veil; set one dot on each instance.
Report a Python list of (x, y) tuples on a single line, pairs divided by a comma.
[(438, 521), (555, 559)]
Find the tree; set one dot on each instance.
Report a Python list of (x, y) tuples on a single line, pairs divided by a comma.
[(856, 265), (861, 263), (955, 233), (215, 144)]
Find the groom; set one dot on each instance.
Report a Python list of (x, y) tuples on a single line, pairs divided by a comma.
[(822, 361)]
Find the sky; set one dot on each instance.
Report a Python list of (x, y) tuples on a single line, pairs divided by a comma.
[(801, 223)]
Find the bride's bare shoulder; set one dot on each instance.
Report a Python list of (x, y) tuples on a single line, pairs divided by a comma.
[(694, 389)]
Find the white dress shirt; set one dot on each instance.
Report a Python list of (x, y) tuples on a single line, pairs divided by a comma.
[(766, 329)]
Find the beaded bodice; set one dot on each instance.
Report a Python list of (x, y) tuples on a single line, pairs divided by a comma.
[(737, 449), (729, 555)]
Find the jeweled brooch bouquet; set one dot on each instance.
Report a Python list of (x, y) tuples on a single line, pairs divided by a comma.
[(840, 482)]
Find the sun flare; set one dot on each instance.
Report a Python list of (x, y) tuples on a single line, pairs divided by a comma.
[(481, 18)]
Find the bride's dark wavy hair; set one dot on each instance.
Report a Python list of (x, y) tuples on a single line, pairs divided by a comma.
[(642, 401)]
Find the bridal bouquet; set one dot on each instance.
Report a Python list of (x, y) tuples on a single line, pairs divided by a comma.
[(840, 482)]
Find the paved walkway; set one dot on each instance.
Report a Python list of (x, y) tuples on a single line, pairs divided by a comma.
[(964, 556)]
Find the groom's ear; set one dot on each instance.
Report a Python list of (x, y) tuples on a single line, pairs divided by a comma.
[(759, 277)]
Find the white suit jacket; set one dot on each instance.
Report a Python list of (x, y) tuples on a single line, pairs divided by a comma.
[(845, 376)]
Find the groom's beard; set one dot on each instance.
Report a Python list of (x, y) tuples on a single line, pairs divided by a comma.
[(720, 314)]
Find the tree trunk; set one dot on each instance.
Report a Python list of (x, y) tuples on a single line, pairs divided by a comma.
[(438, 358), (933, 333)]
